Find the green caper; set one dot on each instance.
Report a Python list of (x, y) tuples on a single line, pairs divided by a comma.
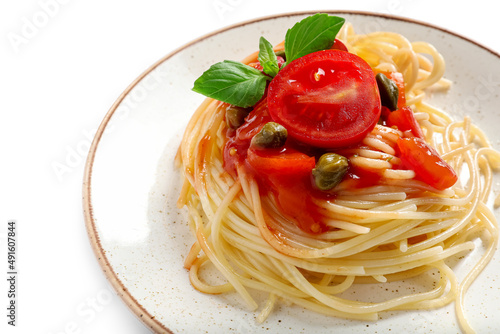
[(389, 91), (272, 135), (329, 171), (235, 116), (281, 54)]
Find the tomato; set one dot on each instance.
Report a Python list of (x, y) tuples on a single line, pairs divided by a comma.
[(404, 120), (235, 149), (287, 174), (338, 45), (280, 162), (325, 99), (400, 82), (429, 167)]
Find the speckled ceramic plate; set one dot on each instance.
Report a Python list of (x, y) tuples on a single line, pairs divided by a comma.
[(131, 186)]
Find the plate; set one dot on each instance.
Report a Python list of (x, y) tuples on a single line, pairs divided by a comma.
[(131, 186)]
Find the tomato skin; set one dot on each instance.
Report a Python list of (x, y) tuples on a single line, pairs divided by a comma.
[(429, 167), (338, 45), (404, 119), (325, 99), (283, 162), (400, 82), (287, 174)]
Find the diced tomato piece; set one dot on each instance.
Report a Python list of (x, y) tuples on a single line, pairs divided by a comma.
[(400, 82), (280, 162), (429, 167), (404, 119), (287, 174)]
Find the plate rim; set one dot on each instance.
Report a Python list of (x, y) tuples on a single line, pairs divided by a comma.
[(133, 304)]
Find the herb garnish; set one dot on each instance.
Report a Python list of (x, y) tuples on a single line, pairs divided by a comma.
[(243, 86)]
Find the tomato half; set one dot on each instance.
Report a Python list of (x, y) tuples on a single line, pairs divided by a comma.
[(325, 99), (429, 167)]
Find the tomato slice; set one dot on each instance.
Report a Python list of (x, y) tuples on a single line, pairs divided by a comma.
[(325, 99), (280, 162), (404, 119), (429, 167)]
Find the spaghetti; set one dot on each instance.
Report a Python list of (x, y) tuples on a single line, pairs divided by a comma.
[(390, 229)]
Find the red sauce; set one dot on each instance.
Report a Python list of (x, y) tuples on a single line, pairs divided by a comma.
[(292, 187)]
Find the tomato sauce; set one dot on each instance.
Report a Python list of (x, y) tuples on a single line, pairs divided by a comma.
[(285, 172)]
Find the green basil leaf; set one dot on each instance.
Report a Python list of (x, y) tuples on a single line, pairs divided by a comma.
[(314, 33), (232, 82), (267, 57)]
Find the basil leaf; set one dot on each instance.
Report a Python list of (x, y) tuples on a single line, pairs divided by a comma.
[(232, 82), (267, 57), (314, 33)]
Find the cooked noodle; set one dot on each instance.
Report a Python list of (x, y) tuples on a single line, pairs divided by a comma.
[(395, 230)]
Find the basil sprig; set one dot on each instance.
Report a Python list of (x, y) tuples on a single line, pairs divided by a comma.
[(267, 58), (243, 86)]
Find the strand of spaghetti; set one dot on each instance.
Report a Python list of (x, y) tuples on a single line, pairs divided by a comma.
[(399, 174), (446, 275), (437, 68), (380, 197), (335, 289), (424, 230), (199, 285), (297, 279), (277, 284), (225, 271), (308, 304), (488, 178), (456, 152), (192, 255), (425, 261), (377, 215), (221, 210), (268, 307), (256, 261), (347, 226), (369, 163), (191, 136), (372, 190), (409, 66), (341, 268), (480, 265), (379, 144)]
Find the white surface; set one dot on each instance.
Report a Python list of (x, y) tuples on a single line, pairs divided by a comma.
[(57, 85)]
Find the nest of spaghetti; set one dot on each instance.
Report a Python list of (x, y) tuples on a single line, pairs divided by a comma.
[(382, 222)]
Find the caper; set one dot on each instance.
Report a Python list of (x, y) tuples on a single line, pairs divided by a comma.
[(389, 91), (329, 171), (272, 135), (280, 53), (235, 116)]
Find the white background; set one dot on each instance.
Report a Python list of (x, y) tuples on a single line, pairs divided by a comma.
[(62, 65)]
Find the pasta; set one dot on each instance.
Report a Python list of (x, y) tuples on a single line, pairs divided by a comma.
[(391, 230)]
